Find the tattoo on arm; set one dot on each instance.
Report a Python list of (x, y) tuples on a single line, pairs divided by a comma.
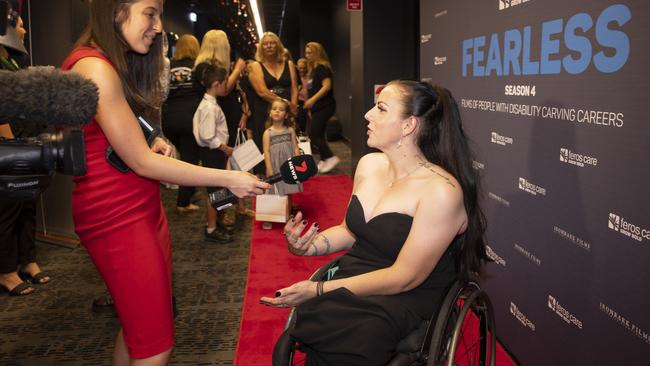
[(315, 248), (328, 246)]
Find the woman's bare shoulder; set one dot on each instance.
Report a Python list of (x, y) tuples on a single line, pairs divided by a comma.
[(441, 188)]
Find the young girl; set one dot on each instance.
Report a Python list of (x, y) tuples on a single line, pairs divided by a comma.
[(279, 143)]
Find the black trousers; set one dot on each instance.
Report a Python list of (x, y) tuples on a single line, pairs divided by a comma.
[(189, 151), (17, 234), (212, 158), (301, 119), (318, 128)]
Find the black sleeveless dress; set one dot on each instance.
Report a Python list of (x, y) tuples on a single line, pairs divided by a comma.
[(281, 87), (340, 328)]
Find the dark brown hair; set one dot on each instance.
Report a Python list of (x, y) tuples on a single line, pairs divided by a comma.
[(443, 142), (140, 74)]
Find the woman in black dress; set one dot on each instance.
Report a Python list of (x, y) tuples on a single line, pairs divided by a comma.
[(271, 77), (321, 103), (412, 227), (178, 109)]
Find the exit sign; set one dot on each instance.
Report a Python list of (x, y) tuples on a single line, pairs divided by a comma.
[(354, 4)]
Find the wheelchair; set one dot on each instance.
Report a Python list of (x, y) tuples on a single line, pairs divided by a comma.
[(461, 333)]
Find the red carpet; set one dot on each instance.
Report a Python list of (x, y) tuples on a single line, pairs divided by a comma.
[(271, 267)]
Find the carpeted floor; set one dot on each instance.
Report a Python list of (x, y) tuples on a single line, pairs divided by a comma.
[(324, 200), (55, 325)]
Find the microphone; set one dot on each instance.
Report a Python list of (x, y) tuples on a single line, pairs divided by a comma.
[(47, 96), (296, 169)]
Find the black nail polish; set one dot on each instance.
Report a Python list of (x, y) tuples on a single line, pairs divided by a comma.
[(278, 293), (316, 224), (304, 222)]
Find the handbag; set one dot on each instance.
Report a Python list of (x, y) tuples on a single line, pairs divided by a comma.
[(246, 154), (304, 144), (272, 208)]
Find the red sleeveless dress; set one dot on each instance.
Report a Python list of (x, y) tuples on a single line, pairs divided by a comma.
[(121, 222)]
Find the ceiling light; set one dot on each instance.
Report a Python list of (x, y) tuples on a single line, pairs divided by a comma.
[(256, 16), (192, 17)]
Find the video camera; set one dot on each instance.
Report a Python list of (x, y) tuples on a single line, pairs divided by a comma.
[(50, 97)]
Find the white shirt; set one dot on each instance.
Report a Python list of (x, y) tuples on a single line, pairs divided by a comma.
[(209, 124)]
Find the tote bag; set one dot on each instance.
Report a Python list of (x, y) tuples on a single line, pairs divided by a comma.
[(272, 208), (245, 154), (304, 144)]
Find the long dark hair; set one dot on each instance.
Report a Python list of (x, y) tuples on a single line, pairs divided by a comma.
[(140, 74), (443, 142)]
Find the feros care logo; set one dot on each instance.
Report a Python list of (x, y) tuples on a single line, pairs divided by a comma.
[(620, 224), (439, 60), (569, 157), (531, 188), (495, 138), (514, 310), (505, 4), (563, 313)]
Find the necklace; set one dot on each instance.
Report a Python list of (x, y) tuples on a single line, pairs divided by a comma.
[(390, 185)]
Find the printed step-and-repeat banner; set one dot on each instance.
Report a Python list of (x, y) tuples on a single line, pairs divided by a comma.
[(555, 96)]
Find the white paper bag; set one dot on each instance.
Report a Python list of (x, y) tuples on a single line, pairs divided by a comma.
[(272, 208), (246, 154), (304, 144)]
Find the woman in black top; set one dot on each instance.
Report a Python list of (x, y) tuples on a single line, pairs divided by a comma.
[(320, 103), (178, 109), (271, 77), (413, 225)]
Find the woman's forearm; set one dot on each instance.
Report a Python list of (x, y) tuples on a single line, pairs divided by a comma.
[(332, 240)]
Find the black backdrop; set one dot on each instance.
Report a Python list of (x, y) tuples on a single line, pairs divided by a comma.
[(554, 95)]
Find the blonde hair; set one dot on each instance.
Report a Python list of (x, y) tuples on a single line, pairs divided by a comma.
[(215, 47), (279, 49), (186, 47), (320, 57), (288, 118)]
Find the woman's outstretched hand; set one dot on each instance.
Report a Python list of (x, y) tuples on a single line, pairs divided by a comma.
[(299, 243), (243, 184), (292, 296)]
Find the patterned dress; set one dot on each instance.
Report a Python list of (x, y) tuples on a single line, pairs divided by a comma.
[(281, 149)]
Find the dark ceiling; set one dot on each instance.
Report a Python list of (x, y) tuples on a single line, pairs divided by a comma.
[(236, 19)]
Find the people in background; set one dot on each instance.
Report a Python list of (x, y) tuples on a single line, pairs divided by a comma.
[(211, 133), (215, 50), (272, 77), (118, 215), (178, 109), (413, 226), (279, 144), (301, 118), (320, 103), (18, 268)]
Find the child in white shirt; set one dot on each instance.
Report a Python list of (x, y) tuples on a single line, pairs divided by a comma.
[(211, 134)]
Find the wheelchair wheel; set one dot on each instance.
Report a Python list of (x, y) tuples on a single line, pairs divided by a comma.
[(464, 333)]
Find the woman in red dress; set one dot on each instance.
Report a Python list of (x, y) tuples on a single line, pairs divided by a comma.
[(119, 216)]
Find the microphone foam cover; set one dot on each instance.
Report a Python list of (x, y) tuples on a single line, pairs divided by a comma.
[(45, 95)]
